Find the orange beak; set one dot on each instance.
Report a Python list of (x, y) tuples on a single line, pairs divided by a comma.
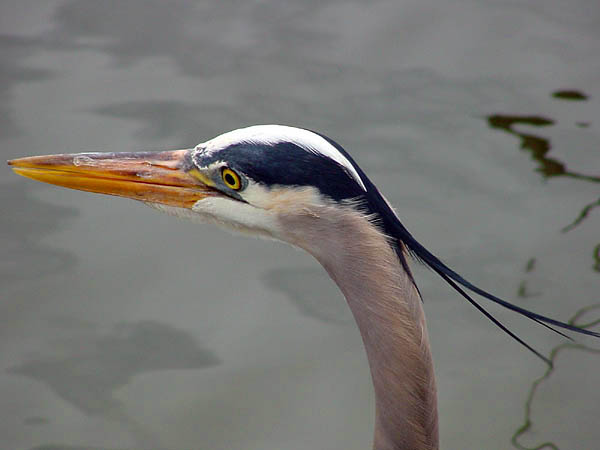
[(154, 177)]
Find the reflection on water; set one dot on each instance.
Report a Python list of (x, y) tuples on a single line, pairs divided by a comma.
[(548, 167), (528, 422), (585, 212), (538, 146)]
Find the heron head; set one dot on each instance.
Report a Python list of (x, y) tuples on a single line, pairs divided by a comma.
[(247, 179)]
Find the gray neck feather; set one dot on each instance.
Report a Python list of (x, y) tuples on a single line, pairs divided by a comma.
[(388, 311)]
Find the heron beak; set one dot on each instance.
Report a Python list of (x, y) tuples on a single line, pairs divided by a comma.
[(154, 177)]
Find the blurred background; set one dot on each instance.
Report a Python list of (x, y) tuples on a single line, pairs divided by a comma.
[(125, 329)]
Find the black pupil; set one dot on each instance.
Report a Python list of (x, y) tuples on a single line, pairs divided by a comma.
[(229, 179)]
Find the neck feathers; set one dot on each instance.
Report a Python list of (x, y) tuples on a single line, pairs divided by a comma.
[(387, 308)]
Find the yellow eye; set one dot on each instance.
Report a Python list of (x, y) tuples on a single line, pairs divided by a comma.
[(231, 179)]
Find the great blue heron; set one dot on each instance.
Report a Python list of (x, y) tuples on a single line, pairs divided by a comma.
[(300, 187)]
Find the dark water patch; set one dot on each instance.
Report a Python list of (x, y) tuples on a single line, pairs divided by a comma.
[(24, 222), (570, 94), (36, 420), (523, 289), (70, 447), (87, 377), (530, 265), (13, 71), (211, 45), (320, 299), (185, 123), (96, 366)]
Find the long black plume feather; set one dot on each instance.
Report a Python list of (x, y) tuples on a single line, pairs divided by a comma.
[(492, 318), (432, 261), (452, 278)]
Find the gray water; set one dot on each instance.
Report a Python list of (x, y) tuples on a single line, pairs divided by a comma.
[(121, 328)]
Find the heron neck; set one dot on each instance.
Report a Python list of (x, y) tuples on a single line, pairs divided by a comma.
[(389, 314)]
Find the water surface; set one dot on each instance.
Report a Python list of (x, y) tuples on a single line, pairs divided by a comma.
[(122, 328)]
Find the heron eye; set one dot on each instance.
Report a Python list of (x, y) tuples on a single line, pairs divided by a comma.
[(231, 179)]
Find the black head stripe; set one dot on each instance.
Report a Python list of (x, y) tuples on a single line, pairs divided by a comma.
[(287, 164)]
